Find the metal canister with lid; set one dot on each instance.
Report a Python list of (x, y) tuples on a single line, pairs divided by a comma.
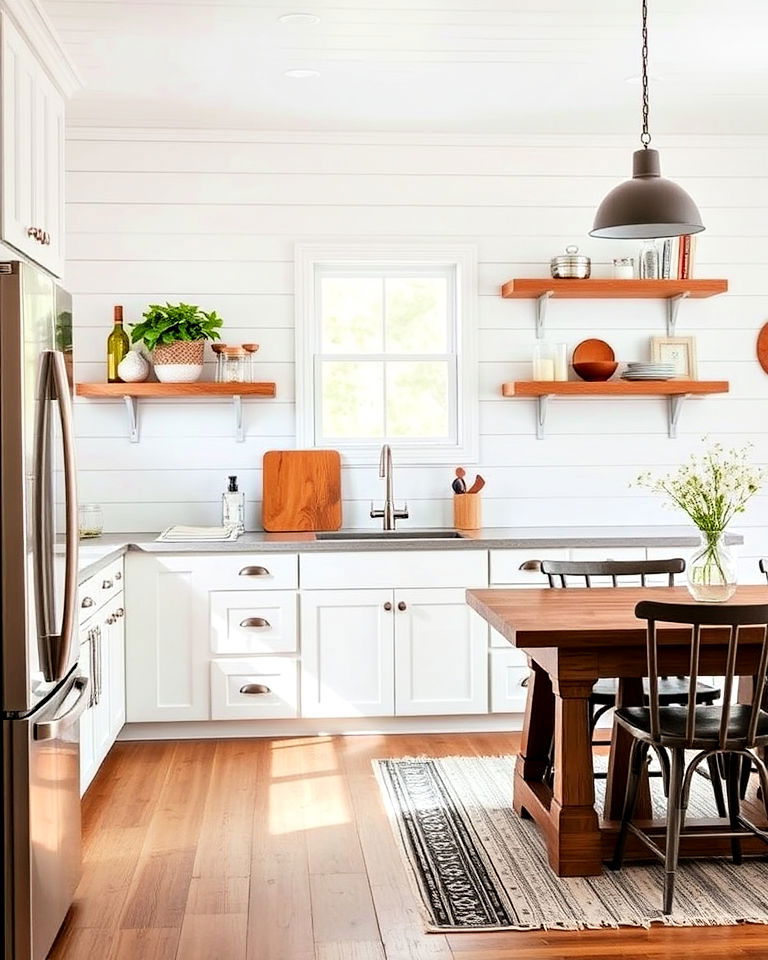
[(571, 266)]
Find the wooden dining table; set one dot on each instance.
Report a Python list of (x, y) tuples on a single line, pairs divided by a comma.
[(572, 638)]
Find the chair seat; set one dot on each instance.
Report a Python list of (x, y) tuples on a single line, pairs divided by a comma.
[(707, 731), (672, 690)]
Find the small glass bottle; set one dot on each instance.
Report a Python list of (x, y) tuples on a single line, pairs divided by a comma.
[(649, 261), (234, 365), (233, 507), (90, 520), (624, 268)]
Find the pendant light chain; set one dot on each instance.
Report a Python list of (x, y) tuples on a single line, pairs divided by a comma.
[(645, 137)]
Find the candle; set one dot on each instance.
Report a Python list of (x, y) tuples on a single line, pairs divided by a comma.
[(543, 368)]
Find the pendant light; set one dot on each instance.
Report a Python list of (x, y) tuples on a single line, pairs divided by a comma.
[(646, 206)]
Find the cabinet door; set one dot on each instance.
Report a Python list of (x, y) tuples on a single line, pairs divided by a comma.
[(20, 71), (347, 660), (441, 654), (167, 637), (87, 758), (49, 175), (116, 679)]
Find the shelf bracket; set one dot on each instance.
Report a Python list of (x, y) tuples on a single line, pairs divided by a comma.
[(541, 415), (541, 312), (673, 305), (237, 405), (674, 406), (132, 409)]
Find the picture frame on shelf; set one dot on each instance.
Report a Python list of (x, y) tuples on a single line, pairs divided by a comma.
[(678, 350)]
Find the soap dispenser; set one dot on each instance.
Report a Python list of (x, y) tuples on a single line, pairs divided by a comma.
[(233, 507)]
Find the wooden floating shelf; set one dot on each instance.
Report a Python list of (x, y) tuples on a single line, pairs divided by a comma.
[(674, 390), (196, 389), (612, 388), (543, 289), (611, 289), (131, 393)]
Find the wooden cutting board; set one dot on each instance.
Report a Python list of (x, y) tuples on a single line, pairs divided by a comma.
[(302, 490)]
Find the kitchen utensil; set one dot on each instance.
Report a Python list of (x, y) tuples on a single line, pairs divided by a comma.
[(478, 485), (595, 370), (460, 474), (592, 349), (459, 486), (570, 266), (301, 490)]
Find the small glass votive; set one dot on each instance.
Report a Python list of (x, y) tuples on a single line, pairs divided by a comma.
[(90, 520), (624, 268), (543, 361)]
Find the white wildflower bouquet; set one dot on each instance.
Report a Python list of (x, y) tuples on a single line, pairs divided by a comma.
[(711, 487)]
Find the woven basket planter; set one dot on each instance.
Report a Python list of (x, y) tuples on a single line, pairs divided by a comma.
[(179, 362)]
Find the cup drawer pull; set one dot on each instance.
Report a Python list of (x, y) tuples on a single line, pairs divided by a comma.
[(257, 623), (255, 688), (524, 681), (254, 572)]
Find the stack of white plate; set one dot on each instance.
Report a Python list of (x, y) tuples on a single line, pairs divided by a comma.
[(649, 371)]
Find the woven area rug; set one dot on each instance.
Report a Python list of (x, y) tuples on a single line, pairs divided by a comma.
[(478, 866)]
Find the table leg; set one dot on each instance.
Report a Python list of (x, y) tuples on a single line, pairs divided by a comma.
[(538, 726), (574, 841), (629, 694)]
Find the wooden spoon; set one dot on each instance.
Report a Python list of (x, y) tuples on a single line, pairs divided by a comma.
[(478, 485)]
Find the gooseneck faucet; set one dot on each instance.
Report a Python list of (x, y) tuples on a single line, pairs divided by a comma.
[(390, 513)]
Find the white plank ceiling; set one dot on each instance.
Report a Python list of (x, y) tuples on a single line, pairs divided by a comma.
[(502, 66)]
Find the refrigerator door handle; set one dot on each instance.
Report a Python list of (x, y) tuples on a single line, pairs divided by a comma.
[(56, 645), (51, 729)]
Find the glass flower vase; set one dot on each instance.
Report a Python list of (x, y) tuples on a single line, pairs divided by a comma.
[(712, 569)]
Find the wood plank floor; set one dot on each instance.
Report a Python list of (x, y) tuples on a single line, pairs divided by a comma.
[(281, 850)]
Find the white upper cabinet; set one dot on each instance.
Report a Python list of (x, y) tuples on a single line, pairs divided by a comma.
[(32, 120)]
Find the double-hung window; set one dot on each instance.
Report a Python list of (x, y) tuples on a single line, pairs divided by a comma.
[(386, 352)]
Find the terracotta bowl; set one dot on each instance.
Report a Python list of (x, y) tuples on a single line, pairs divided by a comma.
[(595, 369)]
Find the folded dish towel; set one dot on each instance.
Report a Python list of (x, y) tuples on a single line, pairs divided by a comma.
[(182, 534)]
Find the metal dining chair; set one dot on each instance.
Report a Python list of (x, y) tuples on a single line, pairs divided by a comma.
[(672, 690), (731, 731)]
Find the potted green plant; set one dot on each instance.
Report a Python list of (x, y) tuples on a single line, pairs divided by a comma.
[(175, 335)]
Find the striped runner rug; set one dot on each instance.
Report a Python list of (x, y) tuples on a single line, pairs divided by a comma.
[(477, 866)]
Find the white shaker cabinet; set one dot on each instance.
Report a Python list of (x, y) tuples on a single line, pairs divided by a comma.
[(347, 653), (32, 117), (441, 654)]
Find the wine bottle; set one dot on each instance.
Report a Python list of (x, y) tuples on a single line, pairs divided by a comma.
[(117, 347)]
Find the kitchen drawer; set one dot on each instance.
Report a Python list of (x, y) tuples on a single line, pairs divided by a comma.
[(101, 587), (253, 621), (274, 694), (244, 571), (505, 565), (395, 569), (509, 682)]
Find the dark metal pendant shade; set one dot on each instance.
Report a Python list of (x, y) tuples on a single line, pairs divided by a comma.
[(647, 206)]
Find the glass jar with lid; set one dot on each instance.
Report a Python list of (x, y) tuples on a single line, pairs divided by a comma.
[(90, 520), (233, 362)]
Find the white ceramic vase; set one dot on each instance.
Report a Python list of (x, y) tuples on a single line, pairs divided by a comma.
[(133, 368)]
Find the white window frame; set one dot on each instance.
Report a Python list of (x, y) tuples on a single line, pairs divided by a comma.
[(461, 260)]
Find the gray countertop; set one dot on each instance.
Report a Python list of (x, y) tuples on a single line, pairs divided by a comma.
[(101, 550)]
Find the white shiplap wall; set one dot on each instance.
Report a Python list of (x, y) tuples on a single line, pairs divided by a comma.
[(212, 218)]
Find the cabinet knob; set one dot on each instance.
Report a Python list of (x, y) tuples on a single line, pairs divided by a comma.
[(87, 602), (402, 605), (256, 622), (524, 682), (255, 688), (111, 620), (387, 605), (35, 232), (118, 575), (120, 612), (46, 238), (254, 572)]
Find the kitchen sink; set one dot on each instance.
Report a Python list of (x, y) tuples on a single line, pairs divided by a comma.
[(391, 535)]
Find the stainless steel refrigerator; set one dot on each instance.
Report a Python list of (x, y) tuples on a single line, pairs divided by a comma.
[(43, 692)]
